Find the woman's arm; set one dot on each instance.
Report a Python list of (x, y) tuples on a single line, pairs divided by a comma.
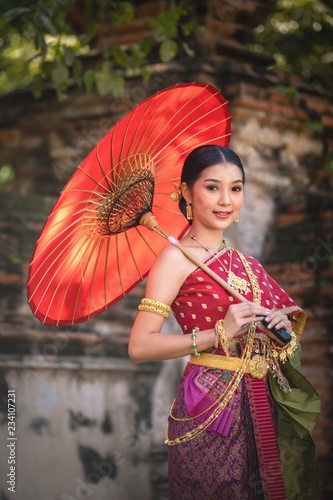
[(164, 281)]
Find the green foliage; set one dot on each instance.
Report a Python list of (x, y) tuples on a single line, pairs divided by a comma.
[(298, 33), (45, 46), (6, 175), (56, 43)]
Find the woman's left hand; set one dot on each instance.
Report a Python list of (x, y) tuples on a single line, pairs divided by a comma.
[(278, 320)]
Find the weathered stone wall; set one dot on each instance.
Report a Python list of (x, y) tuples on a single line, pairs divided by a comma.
[(82, 407)]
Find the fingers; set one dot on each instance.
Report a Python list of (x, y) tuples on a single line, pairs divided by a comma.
[(278, 320), (239, 315)]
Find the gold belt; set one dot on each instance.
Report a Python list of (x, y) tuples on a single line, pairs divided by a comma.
[(257, 366)]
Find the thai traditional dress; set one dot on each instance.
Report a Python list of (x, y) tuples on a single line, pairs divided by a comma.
[(243, 432)]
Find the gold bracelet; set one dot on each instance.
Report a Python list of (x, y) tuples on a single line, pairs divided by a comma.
[(194, 343), (221, 337), (154, 306)]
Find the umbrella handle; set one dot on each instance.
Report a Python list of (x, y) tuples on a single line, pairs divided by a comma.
[(206, 269)]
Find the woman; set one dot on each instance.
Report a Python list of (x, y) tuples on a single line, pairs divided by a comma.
[(227, 435)]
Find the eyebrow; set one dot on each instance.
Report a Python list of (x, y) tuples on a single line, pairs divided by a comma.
[(217, 180)]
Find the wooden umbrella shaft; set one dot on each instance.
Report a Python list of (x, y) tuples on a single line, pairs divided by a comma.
[(149, 220), (206, 269)]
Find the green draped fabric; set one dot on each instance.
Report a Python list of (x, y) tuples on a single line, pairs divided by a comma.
[(298, 411)]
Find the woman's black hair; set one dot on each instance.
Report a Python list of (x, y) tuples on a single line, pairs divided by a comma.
[(204, 157)]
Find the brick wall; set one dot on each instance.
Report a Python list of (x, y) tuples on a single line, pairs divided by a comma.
[(286, 221)]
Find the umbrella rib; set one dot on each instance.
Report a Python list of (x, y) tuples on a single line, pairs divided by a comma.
[(183, 117), (76, 202), (68, 205), (183, 153), (105, 271), (175, 212), (111, 185), (53, 277), (37, 256), (145, 240), (82, 280), (132, 255), (151, 101), (131, 117), (160, 132), (141, 146), (88, 191), (98, 183), (187, 127), (118, 265), (111, 150), (60, 282), (68, 285), (70, 216), (186, 151)]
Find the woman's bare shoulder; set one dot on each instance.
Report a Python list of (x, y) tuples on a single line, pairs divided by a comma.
[(172, 267), (173, 257)]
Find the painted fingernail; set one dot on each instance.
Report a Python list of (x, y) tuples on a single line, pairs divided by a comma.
[(269, 325)]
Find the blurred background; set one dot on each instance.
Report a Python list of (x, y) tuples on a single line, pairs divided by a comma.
[(90, 423)]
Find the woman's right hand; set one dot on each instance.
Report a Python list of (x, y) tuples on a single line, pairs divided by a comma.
[(239, 315)]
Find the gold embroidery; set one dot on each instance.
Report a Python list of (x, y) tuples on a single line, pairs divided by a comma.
[(204, 306)]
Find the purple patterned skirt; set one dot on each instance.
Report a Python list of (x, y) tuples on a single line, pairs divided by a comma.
[(213, 467)]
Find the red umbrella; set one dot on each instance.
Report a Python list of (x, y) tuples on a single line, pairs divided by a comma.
[(93, 248)]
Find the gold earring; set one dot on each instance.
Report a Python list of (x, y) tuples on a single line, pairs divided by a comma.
[(237, 218), (189, 213)]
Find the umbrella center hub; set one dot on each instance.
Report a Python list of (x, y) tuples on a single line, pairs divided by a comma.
[(129, 197)]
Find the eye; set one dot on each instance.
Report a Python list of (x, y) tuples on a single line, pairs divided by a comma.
[(212, 187), (237, 189)]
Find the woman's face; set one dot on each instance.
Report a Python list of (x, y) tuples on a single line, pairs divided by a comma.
[(216, 196)]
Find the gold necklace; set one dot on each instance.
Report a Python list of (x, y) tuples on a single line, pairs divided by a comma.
[(237, 283)]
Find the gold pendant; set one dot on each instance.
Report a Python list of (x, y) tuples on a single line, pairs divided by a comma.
[(258, 367), (237, 283)]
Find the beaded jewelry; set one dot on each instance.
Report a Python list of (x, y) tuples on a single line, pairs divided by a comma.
[(154, 306), (194, 343)]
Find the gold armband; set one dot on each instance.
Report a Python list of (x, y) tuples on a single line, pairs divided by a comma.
[(154, 306), (221, 337)]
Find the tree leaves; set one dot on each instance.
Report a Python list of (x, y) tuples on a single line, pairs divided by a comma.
[(168, 50), (53, 53)]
